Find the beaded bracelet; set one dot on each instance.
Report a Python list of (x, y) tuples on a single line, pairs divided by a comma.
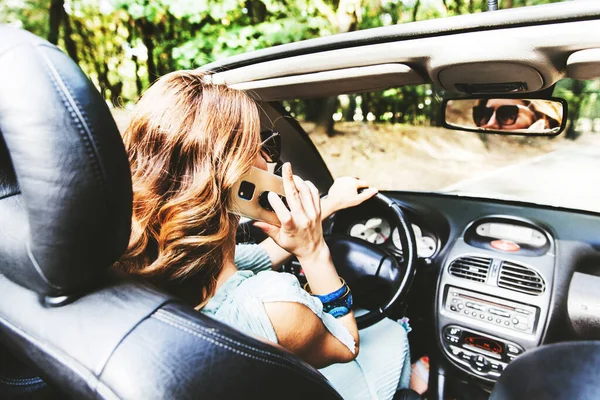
[(337, 303)]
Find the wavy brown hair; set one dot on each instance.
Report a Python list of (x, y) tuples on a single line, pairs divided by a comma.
[(188, 143)]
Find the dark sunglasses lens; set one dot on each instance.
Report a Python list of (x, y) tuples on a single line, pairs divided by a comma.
[(482, 115), (507, 115)]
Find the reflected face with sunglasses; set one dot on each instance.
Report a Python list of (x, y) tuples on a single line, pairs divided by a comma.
[(502, 114), (270, 150)]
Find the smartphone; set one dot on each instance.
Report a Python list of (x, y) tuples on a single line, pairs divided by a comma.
[(250, 195)]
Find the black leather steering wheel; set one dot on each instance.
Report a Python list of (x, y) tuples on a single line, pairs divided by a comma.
[(371, 271)]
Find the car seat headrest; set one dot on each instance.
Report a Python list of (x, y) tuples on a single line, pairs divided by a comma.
[(65, 183)]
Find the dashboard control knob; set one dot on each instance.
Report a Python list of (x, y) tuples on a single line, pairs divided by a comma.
[(480, 364), (496, 367), (453, 331), (513, 349)]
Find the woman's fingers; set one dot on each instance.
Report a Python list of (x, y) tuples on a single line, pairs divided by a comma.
[(270, 230), (291, 191), (281, 211), (306, 198), (366, 194), (361, 183), (316, 196)]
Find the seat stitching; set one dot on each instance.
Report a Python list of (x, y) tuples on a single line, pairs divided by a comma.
[(20, 382), (75, 113), (240, 352), (213, 341), (214, 332), (8, 378), (161, 317), (81, 109)]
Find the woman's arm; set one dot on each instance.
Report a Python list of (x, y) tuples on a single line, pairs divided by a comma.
[(299, 330), (344, 193), (301, 234)]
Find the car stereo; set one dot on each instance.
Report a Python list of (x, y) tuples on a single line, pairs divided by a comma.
[(461, 303), (483, 354)]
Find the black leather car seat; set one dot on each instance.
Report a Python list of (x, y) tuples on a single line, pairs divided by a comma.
[(65, 209), (558, 371)]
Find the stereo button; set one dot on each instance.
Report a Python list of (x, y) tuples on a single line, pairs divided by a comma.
[(521, 327), (451, 339), (452, 331), (501, 313), (480, 364), (496, 367), (513, 349)]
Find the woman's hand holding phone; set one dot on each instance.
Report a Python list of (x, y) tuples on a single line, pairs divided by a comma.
[(300, 232)]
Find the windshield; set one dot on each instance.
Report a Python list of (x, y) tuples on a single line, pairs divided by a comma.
[(393, 139)]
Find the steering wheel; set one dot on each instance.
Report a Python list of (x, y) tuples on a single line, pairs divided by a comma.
[(371, 271)]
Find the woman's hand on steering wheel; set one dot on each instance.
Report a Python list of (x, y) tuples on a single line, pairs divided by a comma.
[(345, 193)]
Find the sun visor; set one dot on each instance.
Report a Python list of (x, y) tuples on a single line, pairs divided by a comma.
[(491, 78), (330, 83), (584, 64)]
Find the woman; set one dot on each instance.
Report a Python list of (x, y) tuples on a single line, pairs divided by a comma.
[(503, 114), (188, 143), (516, 114)]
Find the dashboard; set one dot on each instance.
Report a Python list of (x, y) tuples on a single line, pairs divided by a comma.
[(506, 277), (377, 230), (373, 226)]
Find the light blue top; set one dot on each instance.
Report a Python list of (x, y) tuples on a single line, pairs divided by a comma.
[(384, 352)]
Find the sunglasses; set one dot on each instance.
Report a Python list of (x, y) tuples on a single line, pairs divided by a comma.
[(505, 115), (270, 145)]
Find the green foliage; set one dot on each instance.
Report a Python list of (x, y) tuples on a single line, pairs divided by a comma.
[(124, 45)]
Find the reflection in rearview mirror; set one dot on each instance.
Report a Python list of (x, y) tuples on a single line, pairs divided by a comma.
[(504, 115)]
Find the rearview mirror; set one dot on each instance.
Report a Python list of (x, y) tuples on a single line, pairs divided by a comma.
[(512, 116)]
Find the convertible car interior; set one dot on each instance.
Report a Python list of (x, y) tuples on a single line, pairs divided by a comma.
[(502, 294)]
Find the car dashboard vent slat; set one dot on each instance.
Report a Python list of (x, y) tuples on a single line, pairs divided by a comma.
[(472, 268), (521, 278)]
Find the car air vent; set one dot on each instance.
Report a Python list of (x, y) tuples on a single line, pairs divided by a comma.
[(520, 278), (472, 268)]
